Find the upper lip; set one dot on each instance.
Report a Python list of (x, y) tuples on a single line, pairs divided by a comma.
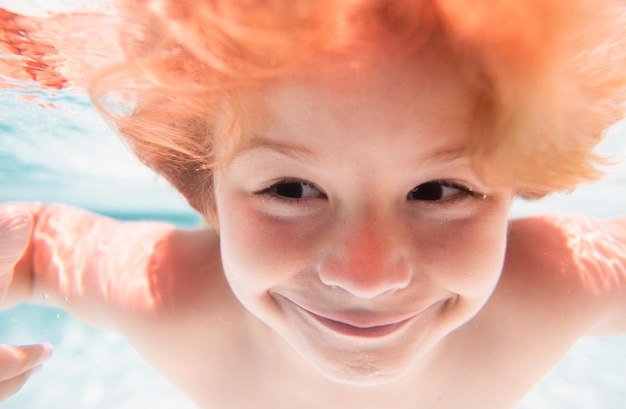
[(362, 318)]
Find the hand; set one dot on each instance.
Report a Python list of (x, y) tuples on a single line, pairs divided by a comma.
[(15, 228), (17, 364)]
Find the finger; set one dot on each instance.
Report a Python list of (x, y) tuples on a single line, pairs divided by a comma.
[(15, 230), (17, 360), (11, 386)]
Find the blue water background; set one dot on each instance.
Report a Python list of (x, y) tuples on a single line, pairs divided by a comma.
[(66, 153)]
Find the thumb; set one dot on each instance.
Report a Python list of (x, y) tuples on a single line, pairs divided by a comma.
[(15, 229)]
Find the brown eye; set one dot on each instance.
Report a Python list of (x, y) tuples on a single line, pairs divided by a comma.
[(437, 190), (294, 190)]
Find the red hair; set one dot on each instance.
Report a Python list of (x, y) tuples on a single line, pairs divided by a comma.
[(551, 75)]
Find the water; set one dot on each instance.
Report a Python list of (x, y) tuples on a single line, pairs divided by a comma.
[(65, 153)]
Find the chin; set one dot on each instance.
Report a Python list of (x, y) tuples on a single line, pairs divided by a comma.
[(362, 374)]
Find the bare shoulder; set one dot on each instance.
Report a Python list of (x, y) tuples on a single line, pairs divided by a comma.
[(118, 275), (571, 269), (159, 286), (185, 271)]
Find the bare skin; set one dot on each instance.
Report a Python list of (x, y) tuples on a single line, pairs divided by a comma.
[(356, 261), (529, 323)]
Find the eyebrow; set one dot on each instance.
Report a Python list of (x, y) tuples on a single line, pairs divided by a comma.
[(303, 153), (445, 156), (291, 150)]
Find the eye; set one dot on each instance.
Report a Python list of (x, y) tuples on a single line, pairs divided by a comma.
[(438, 190), (293, 190)]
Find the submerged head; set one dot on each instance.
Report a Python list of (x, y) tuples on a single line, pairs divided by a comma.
[(351, 220), (358, 158), (535, 77)]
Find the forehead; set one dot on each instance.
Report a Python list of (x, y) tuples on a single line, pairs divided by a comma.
[(377, 98)]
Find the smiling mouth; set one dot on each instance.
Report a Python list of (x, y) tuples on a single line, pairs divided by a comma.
[(361, 331)]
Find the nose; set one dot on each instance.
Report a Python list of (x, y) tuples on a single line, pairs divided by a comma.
[(366, 260)]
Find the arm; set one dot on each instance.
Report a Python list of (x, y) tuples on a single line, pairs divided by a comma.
[(142, 279), (109, 273), (600, 252), (578, 269)]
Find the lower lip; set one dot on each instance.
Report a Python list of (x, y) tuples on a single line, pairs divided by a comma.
[(378, 331)]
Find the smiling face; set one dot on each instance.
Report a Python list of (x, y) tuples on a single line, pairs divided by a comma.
[(351, 221)]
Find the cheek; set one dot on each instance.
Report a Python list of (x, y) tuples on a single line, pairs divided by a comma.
[(257, 251), (470, 256)]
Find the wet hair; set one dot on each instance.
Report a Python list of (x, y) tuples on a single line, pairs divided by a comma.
[(550, 76)]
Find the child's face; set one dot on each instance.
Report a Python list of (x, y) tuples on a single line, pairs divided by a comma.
[(352, 223)]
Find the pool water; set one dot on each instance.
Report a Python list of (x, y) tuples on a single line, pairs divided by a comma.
[(54, 147)]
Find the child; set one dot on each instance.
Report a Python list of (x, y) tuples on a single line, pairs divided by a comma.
[(356, 161)]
